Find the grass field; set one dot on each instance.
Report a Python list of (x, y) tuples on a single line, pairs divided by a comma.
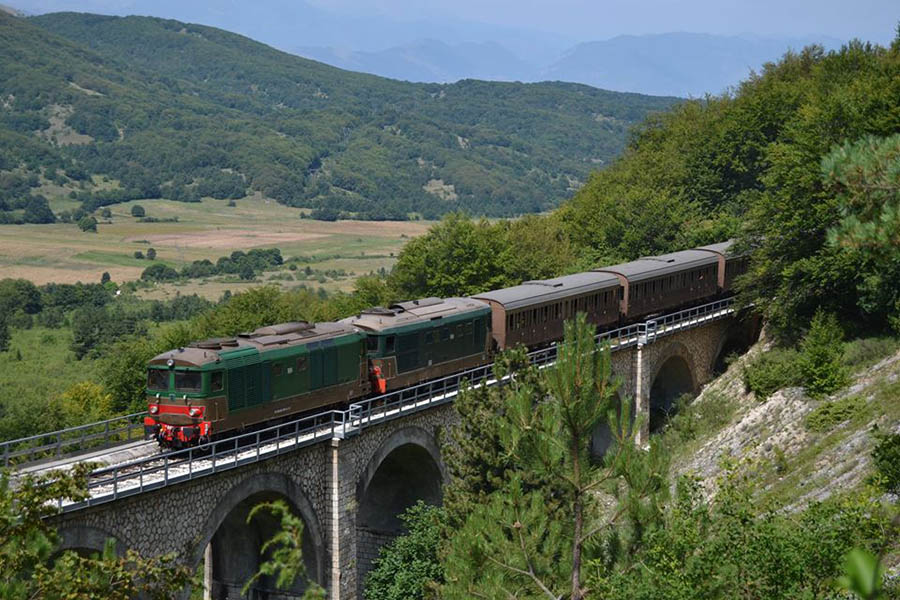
[(210, 229)]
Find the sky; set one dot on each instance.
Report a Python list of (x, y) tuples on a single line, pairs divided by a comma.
[(871, 20), (586, 20)]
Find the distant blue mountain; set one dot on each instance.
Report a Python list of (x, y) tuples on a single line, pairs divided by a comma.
[(675, 64)]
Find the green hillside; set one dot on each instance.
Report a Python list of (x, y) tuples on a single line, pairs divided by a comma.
[(164, 108)]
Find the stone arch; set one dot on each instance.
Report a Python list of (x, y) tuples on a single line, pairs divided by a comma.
[(85, 540), (737, 338), (405, 468), (601, 438), (674, 375), (225, 528)]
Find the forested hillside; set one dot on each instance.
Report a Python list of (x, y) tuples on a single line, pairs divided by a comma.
[(800, 162), (163, 108)]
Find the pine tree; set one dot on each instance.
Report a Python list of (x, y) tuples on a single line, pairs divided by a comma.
[(532, 541), (822, 351)]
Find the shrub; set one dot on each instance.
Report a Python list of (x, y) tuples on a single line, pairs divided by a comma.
[(88, 224), (405, 567), (868, 351), (139, 255), (151, 254), (822, 352), (886, 456), (138, 211), (829, 414), (772, 371), (159, 272)]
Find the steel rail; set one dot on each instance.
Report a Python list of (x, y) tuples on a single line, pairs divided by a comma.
[(137, 476)]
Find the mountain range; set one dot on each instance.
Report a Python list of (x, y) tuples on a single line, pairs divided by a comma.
[(163, 108), (448, 50)]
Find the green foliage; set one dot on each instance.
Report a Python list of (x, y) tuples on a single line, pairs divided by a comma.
[(29, 569), (88, 223), (284, 551), (821, 356), (151, 254), (407, 566), (532, 541), (886, 456), (735, 547), (460, 256), (866, 351), (863, 575), (771, 371), (159, 272), (138, 211), (828, 415), (4, 333)]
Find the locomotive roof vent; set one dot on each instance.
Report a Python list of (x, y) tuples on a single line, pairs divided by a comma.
[(420, 303), (378, 311), (544, 283), (215, 343), (284, 328)]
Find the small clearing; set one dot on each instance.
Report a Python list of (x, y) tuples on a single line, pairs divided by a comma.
[(444, 191), (224, 238)]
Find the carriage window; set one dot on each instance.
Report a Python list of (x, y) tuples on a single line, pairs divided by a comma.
[(470, 328), (215, 381), (158, 379), (301, 364), (429, 337), (277, 370), (188, 381), (460, 330), (445, 334), (389, 343)]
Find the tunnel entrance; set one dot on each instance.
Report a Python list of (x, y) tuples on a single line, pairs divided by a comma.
[(406, 475), (235, 553), (673, 381)]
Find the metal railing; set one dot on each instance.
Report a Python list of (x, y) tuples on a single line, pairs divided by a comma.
[(153, 472), (66, 442)]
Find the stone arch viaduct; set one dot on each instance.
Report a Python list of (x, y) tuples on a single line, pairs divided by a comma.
[(349, 489)]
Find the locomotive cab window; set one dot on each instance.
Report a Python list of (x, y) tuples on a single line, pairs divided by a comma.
[(389, 344), (158, 379), (372, 343), (216, 381), (188, 381)]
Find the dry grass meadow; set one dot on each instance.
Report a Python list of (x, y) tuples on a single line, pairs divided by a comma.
[(210, 229)]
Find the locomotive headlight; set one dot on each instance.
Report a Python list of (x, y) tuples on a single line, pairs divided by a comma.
[(170, 362), (195, 412), (153, 409)]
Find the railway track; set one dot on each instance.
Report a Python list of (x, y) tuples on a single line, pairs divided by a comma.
[(135, 466)]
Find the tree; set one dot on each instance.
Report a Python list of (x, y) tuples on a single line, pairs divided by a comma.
[(105, 278), (139, 255), (88, 329), (138, 211), (536, 541), (4, 333), (405, 567), (151, 254), (284, 551), (864, 176), (106, 213), (37, 210), (159, 272), (88, 224), (822, 350), (28, 547)]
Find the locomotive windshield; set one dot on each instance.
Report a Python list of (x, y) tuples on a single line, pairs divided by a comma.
[(188, 381), (158, 379)]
